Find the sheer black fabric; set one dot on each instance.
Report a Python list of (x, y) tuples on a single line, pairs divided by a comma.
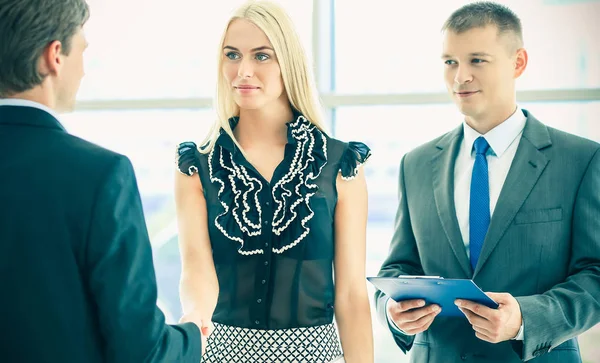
[(273, 243)]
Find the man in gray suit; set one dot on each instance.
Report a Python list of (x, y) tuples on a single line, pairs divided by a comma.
[(503, 200)]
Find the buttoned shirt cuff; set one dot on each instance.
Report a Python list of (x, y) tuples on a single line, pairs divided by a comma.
[(391, 322), (520, 334)]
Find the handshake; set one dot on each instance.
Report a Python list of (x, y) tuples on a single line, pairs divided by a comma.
[(205, 325)]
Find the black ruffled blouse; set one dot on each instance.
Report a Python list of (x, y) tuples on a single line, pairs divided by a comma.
[(273, 243)]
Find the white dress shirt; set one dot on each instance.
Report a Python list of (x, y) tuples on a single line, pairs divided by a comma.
[(504, 140), (27, 103)]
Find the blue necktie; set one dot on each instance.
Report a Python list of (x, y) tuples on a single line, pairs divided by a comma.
[(479, 209)]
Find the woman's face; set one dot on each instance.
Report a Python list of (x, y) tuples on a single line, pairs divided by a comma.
[(250, 66)]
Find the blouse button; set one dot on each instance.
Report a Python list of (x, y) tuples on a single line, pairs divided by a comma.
[(259, 301), (257, 322), (264, 282), (266, 263), (267, 203), (266, 223)]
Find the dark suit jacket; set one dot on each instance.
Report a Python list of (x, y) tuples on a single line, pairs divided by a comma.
[(76, 274), (542, 246)]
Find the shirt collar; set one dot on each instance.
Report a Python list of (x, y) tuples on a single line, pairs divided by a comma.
[(500, 137), (27, 103)]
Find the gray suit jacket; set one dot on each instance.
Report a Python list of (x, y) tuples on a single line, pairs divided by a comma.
[(543, 245)]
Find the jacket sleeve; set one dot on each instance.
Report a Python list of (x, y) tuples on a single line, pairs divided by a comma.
[(122, 282)]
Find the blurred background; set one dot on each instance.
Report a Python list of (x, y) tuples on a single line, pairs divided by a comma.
[(151, 74)]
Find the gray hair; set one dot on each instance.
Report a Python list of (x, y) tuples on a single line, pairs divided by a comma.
[(27, 27), (483, 13)]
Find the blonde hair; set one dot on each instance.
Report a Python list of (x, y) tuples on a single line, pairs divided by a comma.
[(297, 77)]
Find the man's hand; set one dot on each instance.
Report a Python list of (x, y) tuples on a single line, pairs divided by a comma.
[(412, 316), (494, 325), (206, 328)]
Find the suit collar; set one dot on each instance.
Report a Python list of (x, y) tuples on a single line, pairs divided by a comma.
[(450, 138), (500, 137), (536, 132), (27, 103), (526, 169), (25, 115), (442, 164)]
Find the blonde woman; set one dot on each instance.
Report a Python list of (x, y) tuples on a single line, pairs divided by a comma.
[(265, 203)]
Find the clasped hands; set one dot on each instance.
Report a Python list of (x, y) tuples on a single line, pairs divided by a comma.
[(205, 325)]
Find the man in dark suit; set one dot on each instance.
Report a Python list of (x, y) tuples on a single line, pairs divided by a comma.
[(503, 200), (76, 273)]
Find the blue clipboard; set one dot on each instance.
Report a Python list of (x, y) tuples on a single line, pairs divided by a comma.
[(434, 290)]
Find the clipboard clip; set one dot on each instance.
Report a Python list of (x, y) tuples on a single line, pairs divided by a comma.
[(418, 277)]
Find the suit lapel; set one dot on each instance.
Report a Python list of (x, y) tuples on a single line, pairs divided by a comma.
[(443, 189), (525, 170)]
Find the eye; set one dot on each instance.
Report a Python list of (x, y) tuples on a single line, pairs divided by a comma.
[(232, 55), (262, 57), (449, 62), (478, 61)]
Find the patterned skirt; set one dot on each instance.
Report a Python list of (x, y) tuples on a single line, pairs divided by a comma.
[(228, 344)]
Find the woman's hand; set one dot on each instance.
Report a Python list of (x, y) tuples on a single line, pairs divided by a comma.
[(206, 326)]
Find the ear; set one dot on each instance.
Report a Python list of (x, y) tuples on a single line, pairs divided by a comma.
[(51, 61), (520, 62)]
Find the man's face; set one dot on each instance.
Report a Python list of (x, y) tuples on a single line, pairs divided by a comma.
[(480, 71), (71, 73)]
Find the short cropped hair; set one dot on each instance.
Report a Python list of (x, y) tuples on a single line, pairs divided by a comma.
[(27, 27), (484, 13)]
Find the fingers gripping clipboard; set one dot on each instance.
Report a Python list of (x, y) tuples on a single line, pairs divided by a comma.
[(434, 290)]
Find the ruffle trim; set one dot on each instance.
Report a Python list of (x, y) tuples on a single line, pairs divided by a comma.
[(355, 155), (242, 217), (188, 158)]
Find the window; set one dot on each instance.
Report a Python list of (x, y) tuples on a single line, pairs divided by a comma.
[(160, 49), (149, 139), (400, 46)]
